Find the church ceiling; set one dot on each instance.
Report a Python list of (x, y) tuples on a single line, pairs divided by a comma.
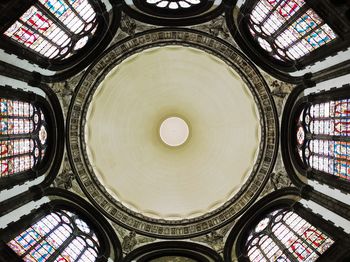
[(135, 37)]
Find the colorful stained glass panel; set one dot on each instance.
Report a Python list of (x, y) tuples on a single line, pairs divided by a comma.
[(302, 240), (305, 33), (37, 30), (40, 241)]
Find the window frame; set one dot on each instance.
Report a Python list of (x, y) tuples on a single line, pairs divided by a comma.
[(284, 198), (303, 169), (42, 167), (33, 57), (329, 49), (15, 228)]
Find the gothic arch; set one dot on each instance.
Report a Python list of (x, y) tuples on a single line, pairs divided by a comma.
[(57, 34), (318, 137), (268, 221), (31, 142), (66, 227), (287, 36)]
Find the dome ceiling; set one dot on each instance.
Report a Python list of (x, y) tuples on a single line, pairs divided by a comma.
[(128, 155), (130, 172)]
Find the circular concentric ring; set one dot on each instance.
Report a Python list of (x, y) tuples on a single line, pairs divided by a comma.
[(184, 227)]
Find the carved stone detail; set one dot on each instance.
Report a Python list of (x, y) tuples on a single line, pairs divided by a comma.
[(173, 228), (278, 178), (129, 242), (216, 241), (130, 239), (65, 178), (129, 27), (279, 90), (217, 27), (65, 90), (216, 238)]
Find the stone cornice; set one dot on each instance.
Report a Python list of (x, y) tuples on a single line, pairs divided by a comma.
[(141, 224)]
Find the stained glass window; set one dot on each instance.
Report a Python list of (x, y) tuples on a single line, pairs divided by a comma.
[(288, 29), (60, 236), (174, 4), (54, 28), (283, 235), (327, 148), (23, 136)]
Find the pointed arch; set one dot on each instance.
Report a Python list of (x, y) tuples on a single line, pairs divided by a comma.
[(60, 230), (283, 235), (321, 137), (289, 30), (54, 29), (289, 37), (279, 228), (55, 34), (28, 136), (59, 235)]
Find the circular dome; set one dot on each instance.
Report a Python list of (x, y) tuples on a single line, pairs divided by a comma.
[(131, 175), (172, 182)]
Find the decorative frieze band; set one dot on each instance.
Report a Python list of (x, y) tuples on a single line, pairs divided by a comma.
[(172, 228)]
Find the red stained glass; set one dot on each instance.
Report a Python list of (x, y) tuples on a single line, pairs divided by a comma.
[(20, 153), (301, 37), (330, 119), (40, 241), (36, 28), (286, 230)]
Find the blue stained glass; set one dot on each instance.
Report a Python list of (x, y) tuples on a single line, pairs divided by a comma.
[(304, 24), (318, 38), (37, 32), (41, 252), (342, 150), (50, 233), (28, 238), (306, 34), (57, 6)]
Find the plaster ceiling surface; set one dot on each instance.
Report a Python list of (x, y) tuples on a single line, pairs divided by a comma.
[(133, 163)]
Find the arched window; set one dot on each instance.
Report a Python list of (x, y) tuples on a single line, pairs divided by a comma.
[(28, 136), (58, 236), (23, 136), (279, 228), (54, 29), (65, 229), (282, 235), (322, 136), (289, 29)]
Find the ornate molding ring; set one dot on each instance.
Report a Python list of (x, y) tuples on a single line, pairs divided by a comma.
[(160, 228)]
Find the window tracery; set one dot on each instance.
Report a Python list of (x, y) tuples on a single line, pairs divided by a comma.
[(54, 29), (323, 134), (23, 136), (174, 4), (282, 235), (288, 29), (59, 236)]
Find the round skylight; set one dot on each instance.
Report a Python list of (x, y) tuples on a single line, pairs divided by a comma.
[(174, 131)]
